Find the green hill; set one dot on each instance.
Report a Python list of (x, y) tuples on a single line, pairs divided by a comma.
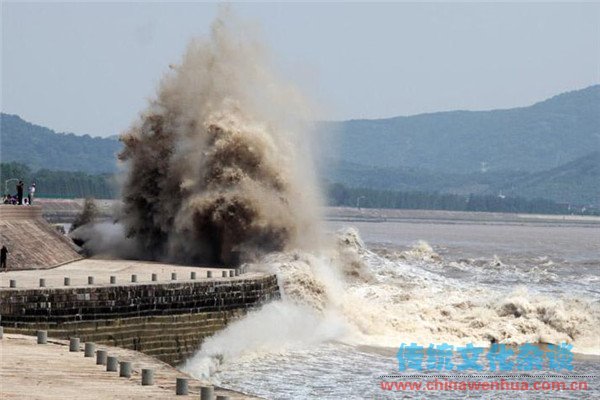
[(42, 148), (577, 182), (542, 136)]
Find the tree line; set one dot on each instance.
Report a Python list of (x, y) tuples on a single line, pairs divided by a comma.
[(340, 195), (66, 184), (58, 184)]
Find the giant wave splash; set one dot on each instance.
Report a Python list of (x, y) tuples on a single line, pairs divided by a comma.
[(217, 170)]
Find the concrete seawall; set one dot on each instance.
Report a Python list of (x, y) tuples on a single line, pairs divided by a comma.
[(32, 243), (164, 320)]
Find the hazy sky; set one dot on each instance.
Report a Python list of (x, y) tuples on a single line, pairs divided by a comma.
[(90, 68)]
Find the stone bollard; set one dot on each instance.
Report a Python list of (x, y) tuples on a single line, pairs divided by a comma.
[(1, 332), (237, 272), (173, 276), (90, 280), (12, 283), (101, 357), (147, 377), (113, 280), (207, 393), (134, 278), (112, 363), (42, 337), (223, 398), (224, 274), (42, 282), (231, 275), (67, 281), (74, 344), (192, 275), (154, 277), (125, 369), (90, 349), (181, 387), (209, 274)]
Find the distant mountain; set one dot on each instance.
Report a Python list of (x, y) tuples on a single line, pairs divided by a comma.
[(548, 150), (42, 148), (577, 182), (542, 136)]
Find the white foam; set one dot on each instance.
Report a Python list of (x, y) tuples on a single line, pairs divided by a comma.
[(352, 295)]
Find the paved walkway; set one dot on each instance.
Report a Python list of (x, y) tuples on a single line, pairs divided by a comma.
[(102, 270), (50, 371)]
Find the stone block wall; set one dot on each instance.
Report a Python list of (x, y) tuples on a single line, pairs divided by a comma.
[(167, 321)]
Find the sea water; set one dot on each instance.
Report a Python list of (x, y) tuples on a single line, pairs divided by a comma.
[(336, 332)]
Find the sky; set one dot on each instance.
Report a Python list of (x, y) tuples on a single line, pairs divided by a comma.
[(90, 68)]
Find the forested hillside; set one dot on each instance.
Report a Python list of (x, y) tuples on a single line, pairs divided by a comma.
[(528, 139), (42, 148)]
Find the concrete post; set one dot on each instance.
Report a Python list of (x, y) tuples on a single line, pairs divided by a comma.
[(67, 281), (12, 283), (147, 377), (209, 274), (231, 275), (154, 277), (113, 280), (134, 278), (1, 332), (223, 398), (192, 275), (101, 357), (125, 369), (224, 274), (90, 280), (90, 349), (181, 387), (42, 282), (207, 393), (42, 337), (237, 272), (74, 344), (173, 276), (112, 363)]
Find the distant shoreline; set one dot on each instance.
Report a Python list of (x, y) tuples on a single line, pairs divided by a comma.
[(64, 210), (352, 214)]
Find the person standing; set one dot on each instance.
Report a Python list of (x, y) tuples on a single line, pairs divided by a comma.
[(31, 193), (20, 192), (3, 253)]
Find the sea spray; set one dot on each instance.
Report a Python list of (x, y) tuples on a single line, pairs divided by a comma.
[(218, 170)]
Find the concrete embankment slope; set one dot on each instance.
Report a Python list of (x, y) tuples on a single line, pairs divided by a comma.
[(167, 319), (50, 371), (32, 243)]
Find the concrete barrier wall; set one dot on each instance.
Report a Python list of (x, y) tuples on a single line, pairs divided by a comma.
[(166, 321)]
